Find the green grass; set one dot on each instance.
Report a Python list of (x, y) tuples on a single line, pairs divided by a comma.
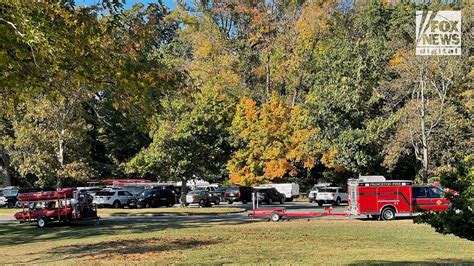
[(260, 242), (148, 211)]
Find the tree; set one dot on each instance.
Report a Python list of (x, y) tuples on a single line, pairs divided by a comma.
[(459, 218), (271, 141), (189, 140)]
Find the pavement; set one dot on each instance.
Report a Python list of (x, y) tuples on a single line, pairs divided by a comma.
[(290, 206)]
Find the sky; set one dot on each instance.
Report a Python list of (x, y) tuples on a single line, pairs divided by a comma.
[(128, 3)]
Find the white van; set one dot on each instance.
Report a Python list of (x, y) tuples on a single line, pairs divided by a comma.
[(291, 190)]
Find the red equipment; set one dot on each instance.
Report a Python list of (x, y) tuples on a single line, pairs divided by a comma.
[(386, 198), (277, 213), (63, 205)]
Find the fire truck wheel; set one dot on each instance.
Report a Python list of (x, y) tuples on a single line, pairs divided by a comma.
[(42, 222), (388, 214), (338, 201), (275, 217)]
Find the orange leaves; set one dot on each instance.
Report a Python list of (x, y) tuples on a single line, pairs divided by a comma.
[(272, 141)]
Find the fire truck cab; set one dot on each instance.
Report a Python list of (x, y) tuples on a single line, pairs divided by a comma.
[(377, 197)]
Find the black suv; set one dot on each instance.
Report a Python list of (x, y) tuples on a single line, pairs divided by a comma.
[(269, 195), (237, 193), (155, 198)]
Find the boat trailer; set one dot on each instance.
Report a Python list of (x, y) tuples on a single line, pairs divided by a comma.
[(278, 213)]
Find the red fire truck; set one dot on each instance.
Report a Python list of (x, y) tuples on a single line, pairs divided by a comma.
[(377, 197)]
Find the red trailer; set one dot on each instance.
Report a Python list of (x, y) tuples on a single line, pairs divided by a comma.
[(278, 213), (63, 205), (387, 198)]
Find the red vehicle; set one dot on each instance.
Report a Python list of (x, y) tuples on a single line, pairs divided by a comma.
[(378, 197), (62, 205)]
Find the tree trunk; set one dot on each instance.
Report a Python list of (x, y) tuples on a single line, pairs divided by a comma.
[(60, 159), (267, 86), (5, 167), (424, 139), (184, 191)]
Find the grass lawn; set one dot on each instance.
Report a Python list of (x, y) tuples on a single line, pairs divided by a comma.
[(295, 241), (148, 211)]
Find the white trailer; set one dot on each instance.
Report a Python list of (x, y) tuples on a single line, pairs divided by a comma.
[(291, 190)]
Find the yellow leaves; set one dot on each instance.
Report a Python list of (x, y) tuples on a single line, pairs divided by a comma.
[(397, 59), (272, 139), (329, 160)]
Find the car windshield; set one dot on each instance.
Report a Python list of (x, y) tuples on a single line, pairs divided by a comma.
[(105, 193), (145, 193), (10, 193), (327, 190)]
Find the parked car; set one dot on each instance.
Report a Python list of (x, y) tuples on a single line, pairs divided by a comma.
[(155, 198), (332, 195), (201, 197), (269, 195), (314, 191), (175, 189), (238, 193), (290, 190), (213, 189), (116, 198)]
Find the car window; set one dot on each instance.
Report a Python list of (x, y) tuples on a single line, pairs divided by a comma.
[(436, 192), (124, 193), (333, 190), (420, 192), (145, 193), (105, 193)]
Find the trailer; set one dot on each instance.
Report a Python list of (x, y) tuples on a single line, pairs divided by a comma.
[(63, 205), (278, 213)]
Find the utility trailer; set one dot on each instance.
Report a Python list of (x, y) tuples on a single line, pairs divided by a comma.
[(278, 213), (63, 205)]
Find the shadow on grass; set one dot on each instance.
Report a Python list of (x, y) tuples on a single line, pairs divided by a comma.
[(126, 248), (437, 262), (14, 234)]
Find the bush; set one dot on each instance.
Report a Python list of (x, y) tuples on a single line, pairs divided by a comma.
[(458, 219)]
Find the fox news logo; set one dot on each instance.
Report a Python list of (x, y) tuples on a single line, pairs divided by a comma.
[(438, 33)]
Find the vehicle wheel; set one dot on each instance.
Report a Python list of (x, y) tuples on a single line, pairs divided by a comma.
[(320, 203), (42, 222), (147, 205), (217, 202), (282, 200), (338, 201), (10, 205), (244, 201), (201, 203), (388, 214), (270, 201), (117, 204), (275, 217)]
